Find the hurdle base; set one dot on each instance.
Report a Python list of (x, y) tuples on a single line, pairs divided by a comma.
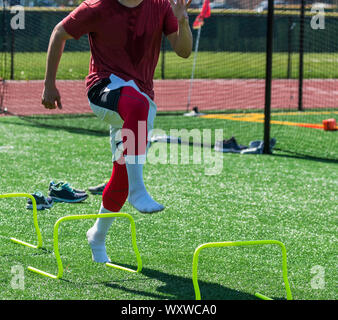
[(262, 296), (25, 243), (116, 266), (43, 273)]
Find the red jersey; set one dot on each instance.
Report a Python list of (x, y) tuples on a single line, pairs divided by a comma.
[(123, 41)]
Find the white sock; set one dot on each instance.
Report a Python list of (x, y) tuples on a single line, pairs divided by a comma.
[(138, 196), (96, 237)]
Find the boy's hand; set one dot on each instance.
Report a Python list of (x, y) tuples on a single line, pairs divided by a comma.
[(180, 9), (51, 97)]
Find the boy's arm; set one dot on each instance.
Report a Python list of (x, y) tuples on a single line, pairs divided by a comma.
[(50, 96), (181, 41)]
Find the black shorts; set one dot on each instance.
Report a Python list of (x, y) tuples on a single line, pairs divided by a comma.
[(99, 96)]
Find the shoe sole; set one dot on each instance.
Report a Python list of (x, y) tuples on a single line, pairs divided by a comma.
[(55, 199), (39, 206), (227, 150), (96, 192)]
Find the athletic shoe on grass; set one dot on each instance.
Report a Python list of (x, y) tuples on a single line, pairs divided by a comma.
[(42, 202), (97, 189), (60, 183), (65, 193), (229, 145)]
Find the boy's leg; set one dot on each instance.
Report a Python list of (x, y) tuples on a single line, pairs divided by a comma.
[(134, 108), (128, 106), (113, 199), (96, 237)]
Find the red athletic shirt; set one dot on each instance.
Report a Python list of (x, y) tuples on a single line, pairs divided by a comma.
[(123, 41)]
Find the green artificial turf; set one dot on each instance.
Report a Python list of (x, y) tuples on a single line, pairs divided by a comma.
[(284, 196)]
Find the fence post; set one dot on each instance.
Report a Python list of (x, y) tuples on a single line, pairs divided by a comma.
[(12, 53), (301, 56), (268, 76), (291, 25)]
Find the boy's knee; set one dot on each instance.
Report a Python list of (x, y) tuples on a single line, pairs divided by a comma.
[(133, 105)]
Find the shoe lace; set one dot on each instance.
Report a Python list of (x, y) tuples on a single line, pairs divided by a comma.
[(39, 197), (67, 186), (37, 194)]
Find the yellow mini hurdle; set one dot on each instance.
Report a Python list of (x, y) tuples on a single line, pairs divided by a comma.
[(35, 219), (90, 216), (236, 244)]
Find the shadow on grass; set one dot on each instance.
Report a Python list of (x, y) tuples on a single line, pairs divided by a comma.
[(40, 252), (181, 288), (40, 122), (173, 287), (296, 155)]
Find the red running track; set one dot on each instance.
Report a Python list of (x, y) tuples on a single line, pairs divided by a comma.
[(24, 97)]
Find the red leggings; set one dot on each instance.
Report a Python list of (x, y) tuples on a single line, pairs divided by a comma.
[(132, 107), (116, 191)]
